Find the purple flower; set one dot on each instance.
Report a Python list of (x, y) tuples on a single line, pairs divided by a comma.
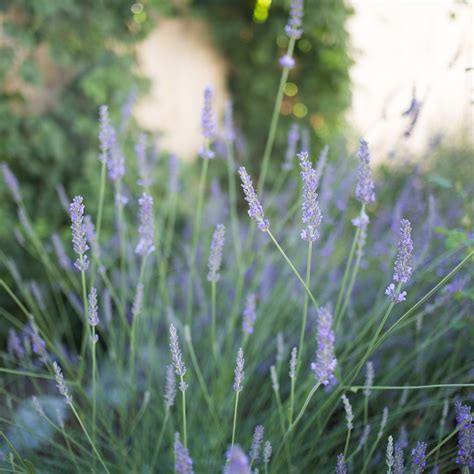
[(365, 186), (170, 387), (255, 208), (146, 230), (399, 462), (326, 362), (341, 467), (239, 371), (402, 269), (287, 62), (14, 347), (465, 423), (208, 123), (249, 314), (418, 457), (61, 384), (293, 136), (237, 461), (106, 134), (215, 255), (183, 464), (116, 162), (76, 209), (63, 259), (267, 452), (311, 212), (93, 311), (293, 362), (257, 440), (176, 357), (294, 26), (11, 182)]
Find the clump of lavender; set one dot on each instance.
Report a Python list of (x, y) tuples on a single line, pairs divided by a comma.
[(208, 123), (11, 182), (177, 358), (293, 136), (348, 410), (14, 347), (402, 269), (418, 455), (255, 208), (311, 212), (170, 387), (257, 440), (215, 255), (237, 461), (465, 456), (249, 314), (267, 452), (93, 312), (106, 134), (183, 464), (341, 467), (398, 462), (365, 186), (61, 384), (146, 229), (294, 26), (76, 209), (239, 371), (326, 362)]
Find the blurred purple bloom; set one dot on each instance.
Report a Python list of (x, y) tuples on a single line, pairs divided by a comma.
[(365, 186), (11, 182), (63, 259), (341, 467), (38, 295), (183, 464), (465, 423), (257, 440), (249, 314), (292, 142), (399, 463), (239, 371), (294, 26), (208, 123), (215, 254), (61, 384), (287, 62), (170, 387), (418, 454), (310, 207), (93, 310), (326, 362), (76, 209), (116, 163), (146, 230), (255, 208), (106, 134), (63, 197), (237, 461), (14, 346), (267, 452)]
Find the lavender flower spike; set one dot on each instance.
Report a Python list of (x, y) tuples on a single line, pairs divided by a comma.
[(11, 182), (63, 259), (341, 467), (257, 440), (93, 312), (76, 209), (349, 414), (465, 423), (61, 384), (208, 123), (106, 134), (215, 255), (255, 208), (293, 362), (402, 270), (399, 462), (249, 314), (293, 136), (311, 212), (170, 387), (176, 357), (365, 186), (183, 464), (237, 461), (14, 347), (267, 452), (146, 229), (418, 454), (369, 378), (293, 28), (326, 362), (239, 371)]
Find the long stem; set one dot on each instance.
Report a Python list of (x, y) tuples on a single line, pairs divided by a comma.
[(213, 320), (103, 176), (88, 437), (346, 446), (183, 393), (347, 297), (274, 122), (235, 418), (295, 271), (94, 385), (86, 327), (303, 409), (160, 439)]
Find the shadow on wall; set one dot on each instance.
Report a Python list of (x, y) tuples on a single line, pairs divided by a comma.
[(180, 59)]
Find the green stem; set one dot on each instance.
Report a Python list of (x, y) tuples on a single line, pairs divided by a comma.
[(160, 439), (355, 388), (235, 418), (303, 409), (94, 385), (445, 440), (88, 437), (213, 320), (346, 446), (183, 393)]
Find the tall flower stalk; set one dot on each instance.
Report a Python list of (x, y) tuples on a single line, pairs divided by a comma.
[(238, 380)]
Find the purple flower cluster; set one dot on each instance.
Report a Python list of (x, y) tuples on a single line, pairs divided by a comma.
[(239, 371), (402, 269), (365, 186), (257, 441), (237, 461), (11, 182), (267, 452), (63, 259), (176, 357), (465, 423), (215, 255), (255, 208), (106, 134), (418, 457), (183, 464), (61, 384), (116, 163), (146, 230), (326, 362), (93, 312), (341, 467), (249, 314), (293, 137), (208, 123), (14, 346), (311, 212), (170, 387), (76, 209), (398, 462), (287, 61), (294, 26)]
